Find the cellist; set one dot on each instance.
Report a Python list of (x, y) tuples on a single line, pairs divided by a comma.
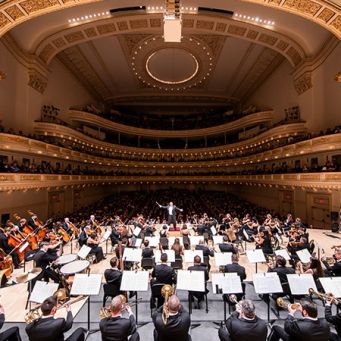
[(8, 249)]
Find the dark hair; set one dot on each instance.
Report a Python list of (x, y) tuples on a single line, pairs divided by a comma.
[(309, 306), (315, 264), (146, 242), (164, 257), (48, 305), (280, 261), (113, 262), (197, 259), (248, 308)]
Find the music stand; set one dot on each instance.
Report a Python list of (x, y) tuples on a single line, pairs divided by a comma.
[(84, 252), (135, 281), (153, 241), (284, 253), (331, 285), (304, 255), (41, 291), (87, 285), (222, 258), (137, 231), (300, 284), (195, 240), (255, 256), (105, 237), (267, 283), (172, 239), (190, 254), (170, 256), (218, 240)]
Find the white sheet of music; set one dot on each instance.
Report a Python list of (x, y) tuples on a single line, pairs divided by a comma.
[(304, 255), (300, 284), (267, 283), (43, 290), (331, 285), (283, 252), (84, 284), (132, 255), (106, 234), (223, 258), (191, 280), (213, 230), (218, 240), (153, 241), (255, 256), (196, 239), (134, 281), (170, 254), (229, 283), (171, 241), (190, 254), (138, 242), (84, 251), (137, 231)]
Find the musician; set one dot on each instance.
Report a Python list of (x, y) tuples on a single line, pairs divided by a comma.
[(66, 226), (113, 275), (117, 328), (334, 269), (147, 251), (226, 246), (11, 334), (207, 253), (178, 322), (171, 209), (335, 320), (89, 238), (92, 222), (198, 266), (310, 328), (48, 328), (4, 234), (177, 248), (244, 325), (114, 236)]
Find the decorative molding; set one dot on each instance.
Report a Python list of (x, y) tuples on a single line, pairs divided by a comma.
[(2, 75), (303, 83), (338, 77), (37, 81)]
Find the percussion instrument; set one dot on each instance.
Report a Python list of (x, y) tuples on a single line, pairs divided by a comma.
[(74, 267), (65, 259)]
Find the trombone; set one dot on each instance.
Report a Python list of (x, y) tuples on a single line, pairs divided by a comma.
[(106, 311), (324, 297)]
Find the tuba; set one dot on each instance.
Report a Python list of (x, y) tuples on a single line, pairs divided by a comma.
[(166, 291)]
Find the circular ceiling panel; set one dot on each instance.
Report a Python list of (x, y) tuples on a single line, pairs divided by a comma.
[(172, 66)]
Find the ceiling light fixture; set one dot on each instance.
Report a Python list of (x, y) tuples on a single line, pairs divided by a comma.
[(257, 20), (88, 17)]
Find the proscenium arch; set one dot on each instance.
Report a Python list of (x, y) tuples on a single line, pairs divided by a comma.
[(322, 12), (50, 46)]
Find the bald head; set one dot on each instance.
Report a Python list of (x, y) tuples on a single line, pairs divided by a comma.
[(173, 304), (116, 305)]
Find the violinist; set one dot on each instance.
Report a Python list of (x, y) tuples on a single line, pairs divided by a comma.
[(89, 238), (66, 226), (93, 222), (8, 249)]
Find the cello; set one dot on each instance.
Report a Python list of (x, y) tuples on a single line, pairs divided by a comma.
[(6, 263)]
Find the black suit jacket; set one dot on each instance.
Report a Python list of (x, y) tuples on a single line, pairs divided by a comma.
[(199, 268), (43, 259), (147, 252), (2, 320), (335, 269), (335, 320), (241, 329), (48, 329), (225, 247), (173, 211), (282, 273), (234, 267), (205, 250), (163, 273), (113, 276), (176, 328), (307, 329), (117, 328)]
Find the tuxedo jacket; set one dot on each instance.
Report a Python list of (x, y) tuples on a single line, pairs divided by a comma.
[(43, 259), (173, 211), (306, 329), (113, 276), (49, 328), (117, 328), (147, 252), (335, 320), (234, 267), (163, 273)]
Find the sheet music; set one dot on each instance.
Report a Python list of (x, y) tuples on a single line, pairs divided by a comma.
[(43, 290), (137, 231), (300, 284), (304, 255), (170, 254), (138, 242), (267, 283), (331, 285), (283, 252), (84, 251), (196, 239), (132, 255), (255, 256), (134, 281), (213, 230), (171, 241), (190, 254), (218, 240), (24, 246), (84, 284), (106, 235), (153, 241), (191, 280), (229, 283), (223, 258)]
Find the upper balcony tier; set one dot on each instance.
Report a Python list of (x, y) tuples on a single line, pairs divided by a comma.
[(259, 118)]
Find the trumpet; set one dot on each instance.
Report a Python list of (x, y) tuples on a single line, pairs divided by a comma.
[(324, 297), (233, 299), (166, 291), (35, 313), (282, 304), (106, 311)]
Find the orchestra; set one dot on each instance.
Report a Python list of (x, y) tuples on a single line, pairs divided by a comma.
[(45, 244)]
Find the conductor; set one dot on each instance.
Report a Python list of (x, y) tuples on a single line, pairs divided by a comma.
[(171, 209)]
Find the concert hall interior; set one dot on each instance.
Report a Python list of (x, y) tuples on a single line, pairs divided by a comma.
[(170, 169)]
